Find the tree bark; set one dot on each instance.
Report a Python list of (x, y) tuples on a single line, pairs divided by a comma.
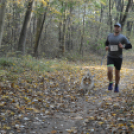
[(101, 15), (62, 28), (40, 24), (22, 38), (69, 30), (121, 9), (2, 18), (83, 31), (129, 25), (124, 17), (118, 5), (110, 16), (60, 37), (13, 35), (129, 28)]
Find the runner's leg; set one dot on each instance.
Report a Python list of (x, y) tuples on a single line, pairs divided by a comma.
[(117, 76), (110, 73), (118, 63), (110, 66)]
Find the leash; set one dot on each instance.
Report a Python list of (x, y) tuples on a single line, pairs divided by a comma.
[(103, 57)]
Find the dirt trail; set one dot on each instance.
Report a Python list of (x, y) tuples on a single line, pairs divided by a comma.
[(94, 113), (85, 114), (62, 110)]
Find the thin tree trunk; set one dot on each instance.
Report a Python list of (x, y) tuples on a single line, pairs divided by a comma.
[(101, 22), (124, 17), (118, 8), (69, 29), (60, 37), (2, 18), (83, 31), (101, 15), (62, 28), (40, 24), (22, 38), (101, 19), (13, 27), (129, 28), (121, 9), (110, 16), (31, 34), (130, 25), (69, 35)]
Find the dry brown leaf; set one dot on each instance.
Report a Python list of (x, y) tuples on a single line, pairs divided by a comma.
[(53, 131)]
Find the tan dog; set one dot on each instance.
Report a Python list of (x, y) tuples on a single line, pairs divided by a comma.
[(87, 84)]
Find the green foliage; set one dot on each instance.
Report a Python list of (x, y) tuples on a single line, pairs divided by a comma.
[(70, 4), (73, 56), (30, 63), (103, 2), (68, 12), (5, 62), (62, 9), (97, 4), (101, 43), (17, 66), (40, 9)]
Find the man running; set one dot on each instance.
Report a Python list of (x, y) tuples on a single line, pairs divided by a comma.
[(115, 44)]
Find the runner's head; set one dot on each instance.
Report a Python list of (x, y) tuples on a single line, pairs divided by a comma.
[(117, 28)]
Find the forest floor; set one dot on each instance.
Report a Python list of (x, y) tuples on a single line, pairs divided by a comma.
[(40, 97)]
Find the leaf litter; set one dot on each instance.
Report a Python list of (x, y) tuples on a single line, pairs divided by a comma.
[(49, 102)]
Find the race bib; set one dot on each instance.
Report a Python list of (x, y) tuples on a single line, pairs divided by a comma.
[(113, 47)]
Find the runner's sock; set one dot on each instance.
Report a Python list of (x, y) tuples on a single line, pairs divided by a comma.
[(116, 84)]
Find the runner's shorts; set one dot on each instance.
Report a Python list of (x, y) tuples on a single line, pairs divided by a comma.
[(117, 62)]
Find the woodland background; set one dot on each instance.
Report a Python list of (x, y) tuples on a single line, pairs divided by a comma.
[(46, 47), (61, 28)]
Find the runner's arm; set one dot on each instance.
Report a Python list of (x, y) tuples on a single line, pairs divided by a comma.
[(127, 43), (107, 42), (128, 46), (106, 45)]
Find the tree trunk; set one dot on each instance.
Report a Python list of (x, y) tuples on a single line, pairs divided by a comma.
[(22, 38), (110, 16), (124, 17), (69, 30), (129, 25), (40, 24), (2, 18), (101, 15), (13, 7), (62, 28), (129, 28), (60, 37), (118, 8), (63, 35), (121, 9), (83, 31)]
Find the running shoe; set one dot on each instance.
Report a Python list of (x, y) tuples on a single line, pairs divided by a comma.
[(110, 86), (116, 89)]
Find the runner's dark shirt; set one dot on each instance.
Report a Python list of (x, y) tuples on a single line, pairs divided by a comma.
[(113, 42)]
